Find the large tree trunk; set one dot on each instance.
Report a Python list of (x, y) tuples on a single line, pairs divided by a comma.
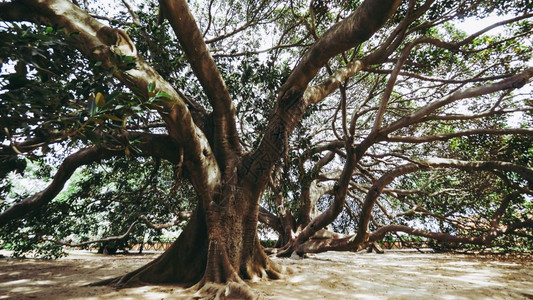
[(234, 252)]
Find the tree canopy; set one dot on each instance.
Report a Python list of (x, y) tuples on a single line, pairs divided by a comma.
[(333, 124)]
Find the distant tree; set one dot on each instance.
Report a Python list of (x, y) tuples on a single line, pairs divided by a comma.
[(380, 115)]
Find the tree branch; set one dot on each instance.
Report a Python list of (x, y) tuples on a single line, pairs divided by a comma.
[(355, 29), (226, 139), (107, 239), (388, 177), (478, 240), (525, 172), (269, 219), (134, 15), (107, 45), (516, 81), (67, 168), (182, 216), (150, 145), (447, 136), (290, 108), (316, 93), (434, 79)]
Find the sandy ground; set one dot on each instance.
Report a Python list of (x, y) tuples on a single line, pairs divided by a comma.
[(333, 275)]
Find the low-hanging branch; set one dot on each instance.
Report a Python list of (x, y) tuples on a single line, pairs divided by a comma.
[(65, 171), (154, 145), (441, 163), (362, 237), (107, 239), (485, 239)]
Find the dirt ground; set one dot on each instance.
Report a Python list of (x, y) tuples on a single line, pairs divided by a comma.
[(332, 275)]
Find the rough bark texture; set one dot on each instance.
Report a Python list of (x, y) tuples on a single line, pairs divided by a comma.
[(219, 245)]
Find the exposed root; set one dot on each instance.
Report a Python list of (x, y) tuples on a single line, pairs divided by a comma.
[(222, 281), (261, 266), (205, 265), (374, 246), (286, 251), (219, 268), (232, 290)]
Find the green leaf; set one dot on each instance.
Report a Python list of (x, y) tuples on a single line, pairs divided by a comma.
[(162, 95), (151, 87)]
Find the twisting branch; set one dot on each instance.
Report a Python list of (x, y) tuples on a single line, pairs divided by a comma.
[(290, 106), (398, 35), (107, 239), (447, 136), (435, 79), (372, 196), (134, 15), (150, 145), (387, 178), (478, 240), (390, 86), (67, 168), (101, 43), (525, 172), (516, 81), (362, 237), (316, 93), (350, 32)]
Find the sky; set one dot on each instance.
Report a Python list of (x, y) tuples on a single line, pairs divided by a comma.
[(472, 25)]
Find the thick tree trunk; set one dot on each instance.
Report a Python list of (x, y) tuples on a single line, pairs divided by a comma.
[(234, 251)]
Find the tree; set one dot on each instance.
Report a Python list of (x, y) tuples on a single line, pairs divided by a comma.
[(413, 72)]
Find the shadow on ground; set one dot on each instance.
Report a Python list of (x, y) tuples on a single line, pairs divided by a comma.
[(332, 275)]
